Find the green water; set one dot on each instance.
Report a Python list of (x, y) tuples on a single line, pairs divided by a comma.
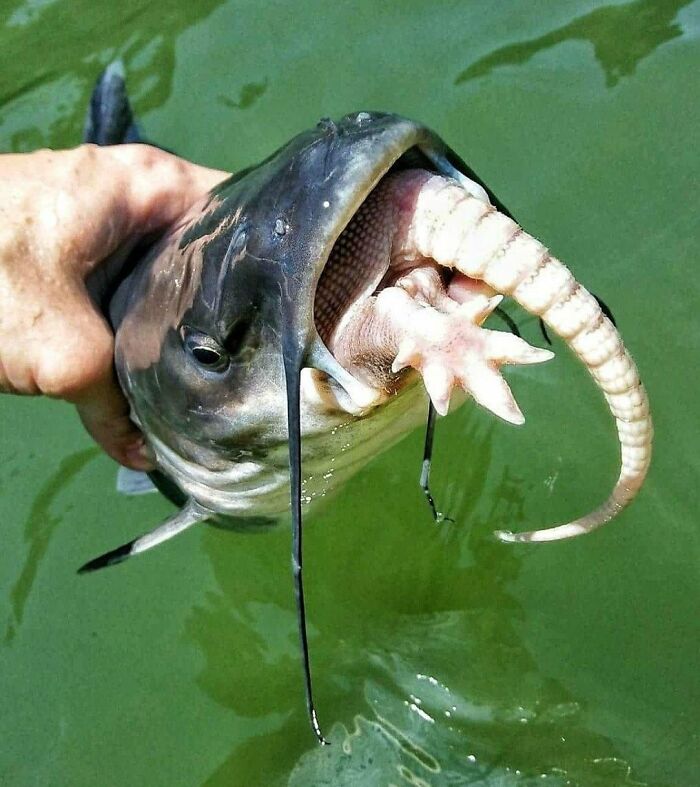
[(440, 656)]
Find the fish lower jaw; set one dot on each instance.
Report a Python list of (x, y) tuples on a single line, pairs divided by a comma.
[(323, 397), (334, 449)]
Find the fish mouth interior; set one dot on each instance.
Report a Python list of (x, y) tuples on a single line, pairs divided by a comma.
[(350, 273)]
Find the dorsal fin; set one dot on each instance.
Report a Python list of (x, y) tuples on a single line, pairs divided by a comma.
[(110, 120)]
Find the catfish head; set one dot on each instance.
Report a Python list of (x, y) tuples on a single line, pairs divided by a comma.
[(217, 337)]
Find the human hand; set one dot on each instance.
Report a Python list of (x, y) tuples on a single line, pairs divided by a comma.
[(62, 213)]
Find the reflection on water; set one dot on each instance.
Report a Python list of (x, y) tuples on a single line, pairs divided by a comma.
[(249, 94), (410, 622), (622, 36), (39, 528), (430, 685), (26, 12), (45, 106)]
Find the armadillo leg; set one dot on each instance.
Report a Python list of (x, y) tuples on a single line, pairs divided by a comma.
[(444, 342)]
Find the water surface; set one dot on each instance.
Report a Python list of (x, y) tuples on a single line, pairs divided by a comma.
[(440, 656)]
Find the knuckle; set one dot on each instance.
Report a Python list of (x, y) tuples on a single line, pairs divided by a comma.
[(75, 369), (84, 155), (6, 385), (16, 375), (59, 382), (145, 157)]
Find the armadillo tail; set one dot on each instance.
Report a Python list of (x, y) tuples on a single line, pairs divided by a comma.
[(466, 233)]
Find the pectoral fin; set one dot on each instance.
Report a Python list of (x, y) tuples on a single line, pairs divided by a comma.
[(134, 482), (190, 515)]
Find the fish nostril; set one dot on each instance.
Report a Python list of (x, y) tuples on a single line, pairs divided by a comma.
[(280, 227), (326, 124)]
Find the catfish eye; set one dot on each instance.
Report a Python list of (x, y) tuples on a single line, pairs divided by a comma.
[(205, 350), (206, 356)]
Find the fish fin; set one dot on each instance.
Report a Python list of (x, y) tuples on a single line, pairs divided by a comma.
[(134, 482), (190, 515), (110, 120), (292, 370), (168, 488)]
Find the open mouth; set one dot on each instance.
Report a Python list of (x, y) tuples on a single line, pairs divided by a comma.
[(383, 305), (359, 263)]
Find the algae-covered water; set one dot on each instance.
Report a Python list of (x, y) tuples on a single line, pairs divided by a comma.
[(441, 657)]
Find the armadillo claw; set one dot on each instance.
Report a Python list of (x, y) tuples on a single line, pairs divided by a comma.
[(408, 355), (507, 348), (439, 382), (456, 351), (490, 390), (479, 307)]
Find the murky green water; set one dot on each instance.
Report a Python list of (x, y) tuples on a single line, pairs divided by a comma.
[(441, 657)]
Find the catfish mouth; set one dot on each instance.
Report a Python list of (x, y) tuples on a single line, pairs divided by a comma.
[(359, 263)]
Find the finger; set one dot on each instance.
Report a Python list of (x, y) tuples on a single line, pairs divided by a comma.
[(162, 186), (105, 414), (75, 350)]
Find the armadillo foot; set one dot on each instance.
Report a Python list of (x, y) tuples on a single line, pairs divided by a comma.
[(451, 349)]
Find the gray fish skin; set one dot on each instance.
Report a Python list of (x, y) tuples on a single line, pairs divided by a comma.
[(280, 421), (242, 268)]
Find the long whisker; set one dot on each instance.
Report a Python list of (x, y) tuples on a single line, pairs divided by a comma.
[(292, 368)]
